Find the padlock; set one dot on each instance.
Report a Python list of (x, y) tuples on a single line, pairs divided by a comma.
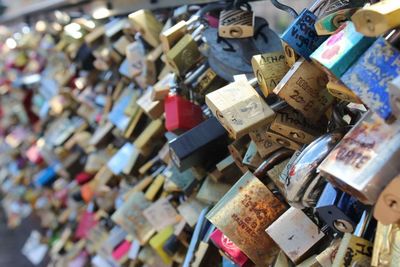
[(239, 108), (303, 169), (229, 57), (149, 138), (356, 249), (152, 65), (265, 146), (378, 18), (154, 187), (157, 242), (229, 248), (269, 69), (163, 87), (341, 50), (153, 109), (135, 59), (290, 55), (282, 140), (335, 14), (244, 213), (385, 251), (130, 217), (252, 159), (337, 89), (211, 192), (394, 94), (207, 82), (386, 209), (236, 23), (325, 258), (368, 78), (295, 239), (169, 37), (340, 211), (228, 169), (184, 55), (301, 34), (146, 23), (181, 114), (238, 149), (291, 124), (205, 142), (304, 88), (354, 166)]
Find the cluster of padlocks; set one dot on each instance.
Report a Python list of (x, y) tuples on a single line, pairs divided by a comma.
[(196, 136)]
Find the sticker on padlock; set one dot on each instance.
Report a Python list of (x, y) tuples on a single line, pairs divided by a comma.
[(394, 94), (378, 18), (269, 68), (239, 108), (341, 50)]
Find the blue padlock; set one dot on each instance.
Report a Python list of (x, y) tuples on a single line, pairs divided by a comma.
[(302, 36), (369, 77), (45, 177)]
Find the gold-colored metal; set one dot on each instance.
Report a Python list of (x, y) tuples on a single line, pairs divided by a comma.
[(146, 23), (269, 69)]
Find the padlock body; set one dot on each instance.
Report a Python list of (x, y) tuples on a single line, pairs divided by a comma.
[(301, 34), (269, 68), (368, 78), (341, 49), (181, 114), (236, 24)]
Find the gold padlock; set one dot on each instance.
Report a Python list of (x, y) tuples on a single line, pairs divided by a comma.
[(304, 88), (236, 23), (269, 69), (172, 35), (146, 23), (290, 55), (239, 108), (184, 55), (282, 140), (290, 123), (337, 89), (378, 18)]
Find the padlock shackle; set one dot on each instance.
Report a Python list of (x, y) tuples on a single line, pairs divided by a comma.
[(285, 8)]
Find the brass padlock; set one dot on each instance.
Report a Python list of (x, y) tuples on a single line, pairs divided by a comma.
[(335, 14), (265, 146), (337, 89), (282, 140), (362, 163), (244, 213), (146, 23), (304, 88), (356, 249), (386, 208), (184, 55), (385, 251), (290, 55), (295, 239), (172, 35), (239, 108), (269, 69), (236, 23), (291, 124), (378, 18)]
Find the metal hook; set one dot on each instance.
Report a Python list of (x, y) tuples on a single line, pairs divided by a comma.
[(285, 8)]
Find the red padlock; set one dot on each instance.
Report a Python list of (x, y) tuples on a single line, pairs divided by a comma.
[(181, 114), (83, 177)]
